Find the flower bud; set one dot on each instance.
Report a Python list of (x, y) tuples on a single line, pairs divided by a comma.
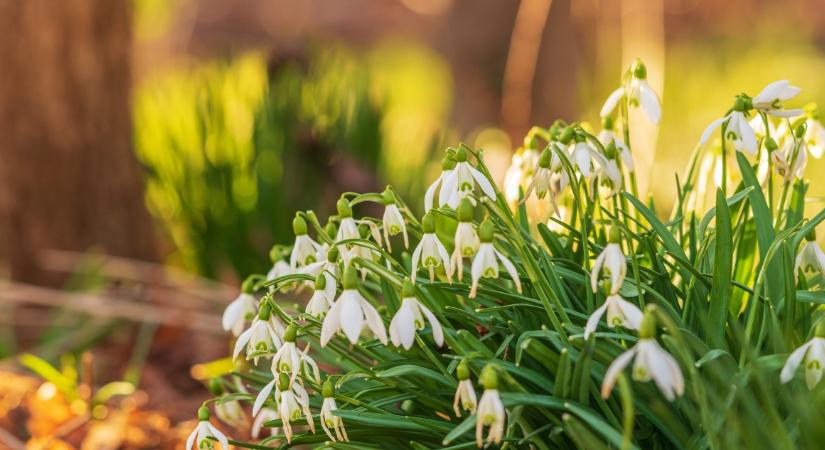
[(465, 210), (283, 382), (448, 163), (388, 197), (331, 230), (461, 155), (203, 413), (215, 387), (486, 230), (332, 254), (463, 370), (489, 378), (566, 135), (350, 278), (291, 333), (328, 388), (320, 282), (344, 209), (407, 289), (639, 71), (275, 254), (428, 223), (265, 312), (607, 123), (770, 144), (299, 226), (610, 151)]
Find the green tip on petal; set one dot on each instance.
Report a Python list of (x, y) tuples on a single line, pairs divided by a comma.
[(489, 378), (344, 209), (283, 382), (408, 289), (332, 254), (428, 223), (465, 210), (350, 278), (461, 155), (610, 151), (203, 414), (320, 282), (328, 388), (299, 226), (486, 230), (291, 333), (463, 370)]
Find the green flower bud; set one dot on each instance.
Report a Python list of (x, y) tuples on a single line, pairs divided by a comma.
[(556, 128), (344, 209), (647, 330), (275, 254), (203, 414), (640, 71), (463, 370), (332, 254), (486, 231), (461, 155), (428, 223), (610, 151), (320, 282), (546, 158), (465, 210), (770, 144), (364, 230), (215, 387), (811, 236), (448, 163), (800, 130), (299, 226), (328, 388), (489, 378), (607, 123), (566, 135), (388, 197), (331, 230), (291, 333), (350, 278), (283, 382), (264, 312), (614, 235), (407, 289)]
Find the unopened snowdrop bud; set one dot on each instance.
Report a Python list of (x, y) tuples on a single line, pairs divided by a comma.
[(393, 220), (810, 354), (810, 259), (486, 260), (351, 312), (466, 238), (652, 362), (410, 318), (770, 144), (329, 421), (200, 436), (240, 310), (465, 394), (430, 252), (490, 409), (319, 303), (612, 261)]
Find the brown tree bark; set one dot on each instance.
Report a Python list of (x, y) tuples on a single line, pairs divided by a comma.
[(68, 177)]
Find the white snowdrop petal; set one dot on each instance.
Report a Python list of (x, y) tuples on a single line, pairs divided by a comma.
[(611, 102)]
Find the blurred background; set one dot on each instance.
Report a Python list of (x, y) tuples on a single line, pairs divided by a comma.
[(152, 151)]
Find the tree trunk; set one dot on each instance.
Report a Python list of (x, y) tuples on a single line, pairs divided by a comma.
[(68, 177)]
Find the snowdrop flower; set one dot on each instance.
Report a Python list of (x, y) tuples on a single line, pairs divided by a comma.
[(542, 181), (790, 162), (320, 302), (465, 177), (812, 355), (485, 263), (520, 173), (279, 268), (466, 238), (585, 157), (304, 249), (329, 421), (239, 311), (291, 361), (292, 402), (229, 412), (608, 175), (810, 258), (771, 97), (430, 252), (638, 93), (264, 416), (608, 136), (351, 312), (465, 393), (205, 430), (393, 220), (347, 228), (620, 312), (328, 268), (490, 409), (651, 362), (410, 318), (738, 129), (611, 260), (444, 184), (260, 339)]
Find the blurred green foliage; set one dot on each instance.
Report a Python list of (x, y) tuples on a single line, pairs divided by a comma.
[(232, 148)]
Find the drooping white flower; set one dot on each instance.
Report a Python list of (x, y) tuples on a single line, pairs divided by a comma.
[(638, 93), (444, 185), (485, 263), (652, 362), (620, 312), (790, 162), (810, 258), (771, 97), (430, 252), (585, 157), (260, 339), (238, 312), (293, 402), (410, 318), (810, 354), (304, 249), (466, 238), (491, 410), (465, 177), (264, 416), (546, 177), (288, 359), (328, 268), (329, 421), (393, 221), (465, 394), (205, 430), (520, 173), (608, 136), (608, 175), (738, 130), (320, 302), (611, 260), (351, 312)]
